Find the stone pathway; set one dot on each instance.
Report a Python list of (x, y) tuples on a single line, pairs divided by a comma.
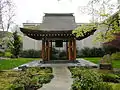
[(62, 79), (83, 62)]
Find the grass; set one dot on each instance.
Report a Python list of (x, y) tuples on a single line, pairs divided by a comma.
[(116, 63), (12, 63), (93, 59)]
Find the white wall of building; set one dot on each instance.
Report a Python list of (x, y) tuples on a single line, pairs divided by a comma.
[(29, 43)]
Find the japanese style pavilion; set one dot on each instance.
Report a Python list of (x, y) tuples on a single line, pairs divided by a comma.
[(56, 27)]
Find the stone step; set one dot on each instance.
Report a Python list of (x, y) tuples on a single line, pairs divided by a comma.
[(59, 61)]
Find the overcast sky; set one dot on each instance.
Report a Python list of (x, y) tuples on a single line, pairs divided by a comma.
[(33, 10)]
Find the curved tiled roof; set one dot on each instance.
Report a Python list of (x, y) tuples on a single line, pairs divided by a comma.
[(58, 22)]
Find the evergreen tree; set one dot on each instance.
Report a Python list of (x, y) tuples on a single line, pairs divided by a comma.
[(15, 45)]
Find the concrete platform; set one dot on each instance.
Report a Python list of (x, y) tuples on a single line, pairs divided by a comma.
[(80, 62)]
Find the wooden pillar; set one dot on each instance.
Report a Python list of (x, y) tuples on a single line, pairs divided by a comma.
[(43, 49), (69, 50), (74, 48), (48, 50)]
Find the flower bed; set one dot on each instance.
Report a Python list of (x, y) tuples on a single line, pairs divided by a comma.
[(30, 79), (89, 79)]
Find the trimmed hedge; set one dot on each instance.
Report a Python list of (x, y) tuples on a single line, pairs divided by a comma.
[(96, 52), (90, 52), (31, 53)]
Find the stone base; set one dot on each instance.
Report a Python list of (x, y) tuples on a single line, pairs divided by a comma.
[(59, 61), (105, 66)]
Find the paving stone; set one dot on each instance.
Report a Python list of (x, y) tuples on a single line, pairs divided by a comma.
[(62, 79)]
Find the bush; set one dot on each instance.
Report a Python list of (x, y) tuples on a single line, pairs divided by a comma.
[(31, 53), (8, 54), (104, 86), (85, 79), (96, 52), (32, 78), (91, 52), (85, 52), (62, 55), (110, 78), (54, 55), (115, 56), (109, 49), (1, 54)]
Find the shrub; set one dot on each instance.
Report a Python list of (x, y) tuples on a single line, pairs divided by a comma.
[(62, 55), (110, 78), (104, 86), (1, 54), (85, 52), (85, 79), (96, 52), (31, 53), (109, 49), (91, 52), (115, 56), (32, 78), (8, 54), (54, 55)]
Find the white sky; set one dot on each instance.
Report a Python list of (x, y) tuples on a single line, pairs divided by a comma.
[(33, 10)]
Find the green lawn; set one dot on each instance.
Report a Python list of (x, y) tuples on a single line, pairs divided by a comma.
[(116, 63), (11, 63)]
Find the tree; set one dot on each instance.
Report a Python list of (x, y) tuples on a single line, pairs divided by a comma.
[(100, 11), (112, 27), (115, 42), (15, 45), (84, 31), (7, 14)]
